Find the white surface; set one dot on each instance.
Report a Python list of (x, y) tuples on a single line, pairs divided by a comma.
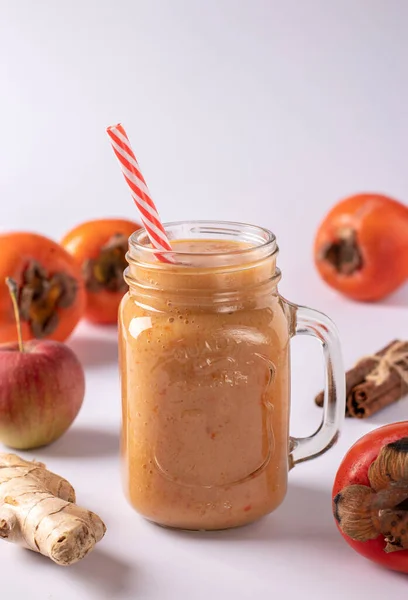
[(261, 111)]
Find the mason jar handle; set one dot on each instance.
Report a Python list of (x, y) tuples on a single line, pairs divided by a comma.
[(312, 322)]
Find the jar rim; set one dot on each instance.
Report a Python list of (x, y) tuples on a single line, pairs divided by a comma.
[(262, 240)]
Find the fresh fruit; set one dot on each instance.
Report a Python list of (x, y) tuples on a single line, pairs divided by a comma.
[(370, 496), (99, 247), (361, 247), (42, 387), (51, 294)]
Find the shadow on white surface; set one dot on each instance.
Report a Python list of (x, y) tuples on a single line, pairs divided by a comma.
[(83, 442), (304, 514), (399, 298), (95, 351), (108, 575), (106, 572)]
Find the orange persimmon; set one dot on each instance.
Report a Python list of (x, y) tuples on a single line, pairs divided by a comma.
[(51, 293), (361, 247), (99, 247)]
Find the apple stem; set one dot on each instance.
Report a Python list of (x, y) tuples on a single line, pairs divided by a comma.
[(13, 289)]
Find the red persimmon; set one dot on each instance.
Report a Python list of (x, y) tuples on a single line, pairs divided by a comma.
[(370, 496), (361, 247)]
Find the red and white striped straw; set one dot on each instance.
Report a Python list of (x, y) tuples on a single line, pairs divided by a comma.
[(139, 190)]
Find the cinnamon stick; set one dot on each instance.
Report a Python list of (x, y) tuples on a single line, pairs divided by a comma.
[(365, 397)]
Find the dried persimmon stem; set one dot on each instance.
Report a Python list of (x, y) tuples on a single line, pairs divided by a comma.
[(344, 253), (365, 512), (13, 289)]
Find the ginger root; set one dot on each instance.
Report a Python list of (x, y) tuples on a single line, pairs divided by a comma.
[(37, 511)]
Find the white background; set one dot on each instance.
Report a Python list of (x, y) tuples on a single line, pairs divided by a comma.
[(263, 111)]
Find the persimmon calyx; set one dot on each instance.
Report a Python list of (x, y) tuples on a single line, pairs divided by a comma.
[(365, 512), (106, 271), (40, 296), (344, 253)]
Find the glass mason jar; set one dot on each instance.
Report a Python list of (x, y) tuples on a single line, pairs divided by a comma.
[(205, 371)]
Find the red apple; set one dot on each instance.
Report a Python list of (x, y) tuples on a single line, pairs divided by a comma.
[(41, 392)]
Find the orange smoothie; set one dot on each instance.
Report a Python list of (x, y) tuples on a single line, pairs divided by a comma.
[(204, 353)]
